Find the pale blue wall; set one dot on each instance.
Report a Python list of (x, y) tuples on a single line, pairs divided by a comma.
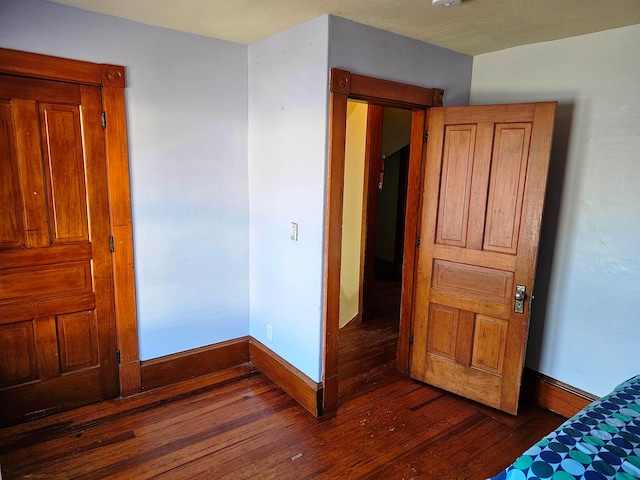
[(288, 92), (585, 323), (378, 53), (187, 119)]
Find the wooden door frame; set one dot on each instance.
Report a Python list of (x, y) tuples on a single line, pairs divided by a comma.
[(111, 80), (372, 155), (344, 85), (371, 192)]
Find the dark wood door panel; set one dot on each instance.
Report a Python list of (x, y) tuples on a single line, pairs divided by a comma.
[(17, 354), (43, 398), (11, 216), (44, 281), (29, 159), (77, 341), (64, 170), (57, 326)]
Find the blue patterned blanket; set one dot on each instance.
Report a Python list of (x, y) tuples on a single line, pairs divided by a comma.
[(601, 442)]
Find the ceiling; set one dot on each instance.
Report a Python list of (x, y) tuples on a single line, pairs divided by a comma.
[(473, 28)]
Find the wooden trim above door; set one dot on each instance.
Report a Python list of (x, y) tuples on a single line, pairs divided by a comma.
[(111, 79), (343, 86), (383, 92)]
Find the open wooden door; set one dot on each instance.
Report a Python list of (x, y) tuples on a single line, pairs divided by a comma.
[(57, 327), (483, 194)]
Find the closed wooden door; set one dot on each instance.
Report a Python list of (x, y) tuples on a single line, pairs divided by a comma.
[(483, 194), (57, 330)]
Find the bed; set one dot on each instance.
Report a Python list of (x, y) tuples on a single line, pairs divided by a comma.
[(600, 442)]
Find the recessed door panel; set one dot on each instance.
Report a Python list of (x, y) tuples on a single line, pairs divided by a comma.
[(506, 187), (484, 283), (42, 281), (17, 354), (62, 145), (77, 341), (455, 187), (489, 339), (11, 228), (442, 331)]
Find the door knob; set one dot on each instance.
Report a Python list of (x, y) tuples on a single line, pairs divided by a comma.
[(520, 295)]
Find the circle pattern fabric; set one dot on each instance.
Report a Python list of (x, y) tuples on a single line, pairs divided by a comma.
[(602, 442)]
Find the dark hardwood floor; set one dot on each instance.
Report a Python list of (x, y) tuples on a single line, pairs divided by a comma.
[(387, 427)]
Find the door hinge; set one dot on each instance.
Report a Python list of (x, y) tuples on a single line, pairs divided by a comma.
[(118, 356), (426, 136), (411, 339), (112, 245), (104, 119), (418, 243)]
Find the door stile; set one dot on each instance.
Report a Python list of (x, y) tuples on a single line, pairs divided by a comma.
[(417, 152), (96, 172), (535, 190), (426, 223)]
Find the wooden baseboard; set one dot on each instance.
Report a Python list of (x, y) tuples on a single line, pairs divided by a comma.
[(162, 371), (554, 395), (181, 366), (303, 389)]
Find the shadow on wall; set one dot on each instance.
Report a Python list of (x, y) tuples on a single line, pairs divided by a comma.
[(549, 233)]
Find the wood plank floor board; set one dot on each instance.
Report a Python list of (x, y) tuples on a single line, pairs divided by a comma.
[(156, 460), (181, 436), (501, 450), (151, 422), (393, 440), (239, 425), (101, 412), (251, 444), (141, 417), (292, 442)]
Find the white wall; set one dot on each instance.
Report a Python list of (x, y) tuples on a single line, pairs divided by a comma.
[(288, 97), (187, 120), (585, 328), (378, 53)]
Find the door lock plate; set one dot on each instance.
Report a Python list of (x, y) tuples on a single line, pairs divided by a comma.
[(520, 296)]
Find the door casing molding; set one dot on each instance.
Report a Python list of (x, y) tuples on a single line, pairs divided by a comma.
[(344, 85), (111, 80)]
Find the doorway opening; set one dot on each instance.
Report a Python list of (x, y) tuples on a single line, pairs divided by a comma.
[(376, 166), (344, 86)]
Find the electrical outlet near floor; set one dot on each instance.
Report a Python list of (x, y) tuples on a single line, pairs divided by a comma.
[(269, 332)]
